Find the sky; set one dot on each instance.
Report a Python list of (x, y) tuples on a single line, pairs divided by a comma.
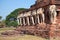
[(7, 6)]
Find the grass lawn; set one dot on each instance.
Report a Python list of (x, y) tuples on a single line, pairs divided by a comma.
[(25, 37), (5, 29)]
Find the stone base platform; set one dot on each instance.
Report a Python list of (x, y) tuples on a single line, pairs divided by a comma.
[(42, 30)]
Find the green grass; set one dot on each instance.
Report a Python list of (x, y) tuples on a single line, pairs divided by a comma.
[(25, 37), (5, 29)]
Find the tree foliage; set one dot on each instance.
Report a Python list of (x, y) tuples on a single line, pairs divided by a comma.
[(2, 24), (12, 17), (0, 17)]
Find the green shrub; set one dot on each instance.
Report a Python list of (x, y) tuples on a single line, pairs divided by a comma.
[(13, 23)]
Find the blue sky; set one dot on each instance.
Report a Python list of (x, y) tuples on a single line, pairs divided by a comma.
[(7, 6)]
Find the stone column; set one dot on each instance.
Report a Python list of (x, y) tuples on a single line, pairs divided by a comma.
[(24, 21), (41, 12), (20, 22), (53, 13), (38, 19), (28, 20), (32, 20), (43, 18), (51, 18)]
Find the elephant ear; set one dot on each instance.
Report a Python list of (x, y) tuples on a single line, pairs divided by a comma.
[(52, 6)]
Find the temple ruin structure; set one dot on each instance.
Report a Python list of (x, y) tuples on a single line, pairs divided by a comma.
[(45, 12)]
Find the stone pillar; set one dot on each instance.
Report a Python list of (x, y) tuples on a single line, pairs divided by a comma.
[(53, 13), (41, 12), (53, 18), (32, 20), (20, 21), (28, 20), (24, 21), (42, 18), (38, 19)]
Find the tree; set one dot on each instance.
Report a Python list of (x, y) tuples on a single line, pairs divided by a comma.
[(11, 19), (2, 24), (0, 17)]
